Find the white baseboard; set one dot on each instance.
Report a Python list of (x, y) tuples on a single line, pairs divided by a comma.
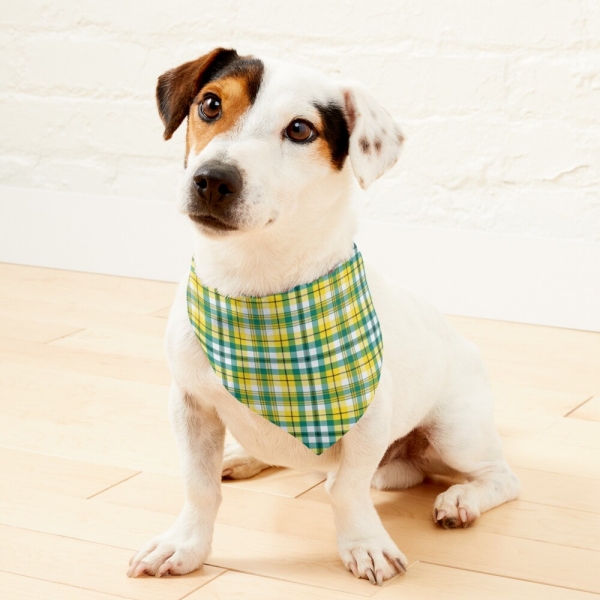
[(98, 234), (530, 280)]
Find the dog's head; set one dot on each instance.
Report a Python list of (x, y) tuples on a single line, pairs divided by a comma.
[(265, 136)]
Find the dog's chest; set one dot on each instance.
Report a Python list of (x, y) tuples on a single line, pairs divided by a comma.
[(289, 398), (193, 373), (189, 365), (307, 360)]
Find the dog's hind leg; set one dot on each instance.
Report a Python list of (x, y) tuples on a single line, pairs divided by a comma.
[(468, 442), (398, 474), (462, 503), (238, 464), (399, 468)]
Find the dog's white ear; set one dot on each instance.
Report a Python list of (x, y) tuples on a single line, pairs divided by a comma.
[(375, 138)]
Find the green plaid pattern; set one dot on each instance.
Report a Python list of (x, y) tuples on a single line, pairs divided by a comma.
[(308, 360)]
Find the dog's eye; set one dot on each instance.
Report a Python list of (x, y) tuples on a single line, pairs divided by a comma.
[(210, 108), (299, 130)]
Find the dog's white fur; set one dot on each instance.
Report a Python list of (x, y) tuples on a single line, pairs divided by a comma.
[(295, 224)]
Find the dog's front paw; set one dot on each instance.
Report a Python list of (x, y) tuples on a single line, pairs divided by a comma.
[(238, 464), (172, 553), (372, 559)]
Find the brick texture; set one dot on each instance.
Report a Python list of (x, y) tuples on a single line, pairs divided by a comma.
[(500, 100)]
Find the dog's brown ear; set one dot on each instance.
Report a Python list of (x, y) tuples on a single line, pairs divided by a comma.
[(375, 138), (177, 88)]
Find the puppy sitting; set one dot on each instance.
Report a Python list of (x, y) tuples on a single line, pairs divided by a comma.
[(383, 393)]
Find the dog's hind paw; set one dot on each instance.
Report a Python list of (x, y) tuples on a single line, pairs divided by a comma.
[(238, 464), (456, 507)]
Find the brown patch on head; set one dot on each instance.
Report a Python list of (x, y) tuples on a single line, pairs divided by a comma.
[(365, 145), (377, 145), (350, 110), (234, 79), (235, 101), (177, 88), (411, 447), (320, 143)]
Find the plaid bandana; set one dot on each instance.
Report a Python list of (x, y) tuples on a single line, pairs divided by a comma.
[(308, 360)]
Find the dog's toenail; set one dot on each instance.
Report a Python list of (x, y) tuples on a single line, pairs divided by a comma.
[(401, 568)]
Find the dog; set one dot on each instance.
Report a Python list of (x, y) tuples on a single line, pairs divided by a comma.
[(271, 150)]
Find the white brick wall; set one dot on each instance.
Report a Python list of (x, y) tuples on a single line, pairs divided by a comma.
[(500, 99)]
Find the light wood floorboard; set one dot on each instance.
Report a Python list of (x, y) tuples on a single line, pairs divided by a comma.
[(81, 564), (89, 469), (19, 587)]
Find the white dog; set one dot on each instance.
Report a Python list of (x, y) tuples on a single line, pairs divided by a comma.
[(271, 149)]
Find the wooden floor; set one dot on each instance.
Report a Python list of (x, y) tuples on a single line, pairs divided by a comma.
[(89, 469)]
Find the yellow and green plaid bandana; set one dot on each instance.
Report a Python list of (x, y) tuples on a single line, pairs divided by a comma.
[(308, 360)]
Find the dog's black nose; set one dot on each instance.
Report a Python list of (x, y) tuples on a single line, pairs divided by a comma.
[(218, 183)]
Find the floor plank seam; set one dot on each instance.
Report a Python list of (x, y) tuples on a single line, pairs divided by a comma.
[(70, 458), (70, 537), (307, 584), (513, 463), (205, 584), (312, 487), (593, 478), (578, 406), (538, 541), (560, 506), (62, 337), (76, 587), (488, 573), (113, 485)]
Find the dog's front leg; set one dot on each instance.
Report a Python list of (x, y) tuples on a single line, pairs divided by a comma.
[(365, 546), (184, 547)]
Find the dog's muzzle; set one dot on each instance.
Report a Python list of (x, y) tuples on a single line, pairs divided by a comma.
[(216, 187)]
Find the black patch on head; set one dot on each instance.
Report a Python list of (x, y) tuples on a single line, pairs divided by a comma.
[(365, 145), (335, 132), (221, 61), (246, 67)]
